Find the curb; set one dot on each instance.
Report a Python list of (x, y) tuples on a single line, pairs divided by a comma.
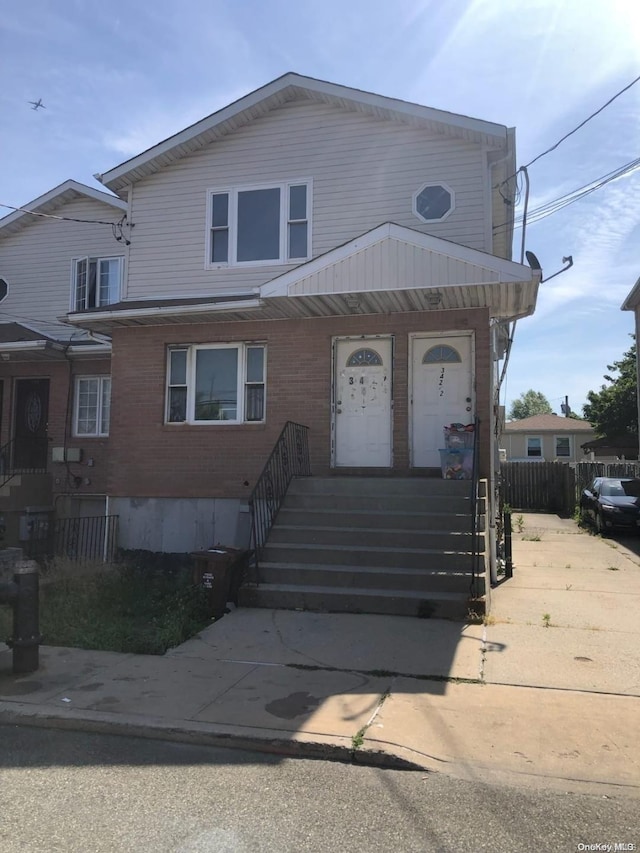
[(300, 745)]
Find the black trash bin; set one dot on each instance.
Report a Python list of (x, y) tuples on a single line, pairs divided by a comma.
[(219, 571)]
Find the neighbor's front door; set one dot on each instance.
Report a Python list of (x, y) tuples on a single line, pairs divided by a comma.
[(441, 393), (363, 402), (30, 423)]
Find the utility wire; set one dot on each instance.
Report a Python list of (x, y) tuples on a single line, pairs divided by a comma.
[(571, 132), (558, 203), (582, 123), (63, 218)]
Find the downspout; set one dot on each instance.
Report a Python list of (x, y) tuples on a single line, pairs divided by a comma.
[(496, 379)]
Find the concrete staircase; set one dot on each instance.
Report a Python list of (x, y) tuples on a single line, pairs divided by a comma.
[(370, 545)]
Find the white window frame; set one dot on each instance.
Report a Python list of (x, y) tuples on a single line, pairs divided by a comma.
[(555, 447), (532, 455), (101, 379), (74, 280), (232, 227), (444, 186), (241, 382)]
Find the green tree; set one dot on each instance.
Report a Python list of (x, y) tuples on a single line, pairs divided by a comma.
[(613, 410), (530, 403)]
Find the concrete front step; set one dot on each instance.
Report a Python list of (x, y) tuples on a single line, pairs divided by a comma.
[(408, 558), (373, 537), (381, 520), (370, 577), (379, 486), (436, 605), (379, 503)]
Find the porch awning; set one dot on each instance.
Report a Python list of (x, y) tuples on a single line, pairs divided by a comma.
[(393, 268), (389, 269)]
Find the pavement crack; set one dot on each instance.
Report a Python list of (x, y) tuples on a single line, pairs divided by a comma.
[(483, 654), (357, 740)]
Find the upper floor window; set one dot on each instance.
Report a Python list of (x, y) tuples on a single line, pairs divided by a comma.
[(92, 405), (215, 383), (95, 282), (433, 202), (259, 225)]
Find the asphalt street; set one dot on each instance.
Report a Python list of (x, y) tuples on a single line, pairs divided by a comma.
[(70, 791)]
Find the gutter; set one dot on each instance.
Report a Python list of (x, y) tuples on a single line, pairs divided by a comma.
[(160, 311), (27, 346)]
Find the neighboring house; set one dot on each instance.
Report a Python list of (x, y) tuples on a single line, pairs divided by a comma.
[(632, 303), (613, 448), (311, 253), (54, 378), (547, 438)]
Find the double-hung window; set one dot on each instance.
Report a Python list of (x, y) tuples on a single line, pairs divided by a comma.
[(214, 383), (534, 446), (95, 282), (92, 405), (563, 445), (259, 225)]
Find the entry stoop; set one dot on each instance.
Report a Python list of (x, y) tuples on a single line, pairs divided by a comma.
[(399, 546)]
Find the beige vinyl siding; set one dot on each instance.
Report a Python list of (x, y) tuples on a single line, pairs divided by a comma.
[(516, 445), (36, 262), (364, 172)]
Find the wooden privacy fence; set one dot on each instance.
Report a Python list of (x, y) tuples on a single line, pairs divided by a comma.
[(542, 486), (555, 486)]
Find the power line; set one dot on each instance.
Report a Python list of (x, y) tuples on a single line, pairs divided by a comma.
[(62, 218), (558, 203), (582, 123), (571, 132)]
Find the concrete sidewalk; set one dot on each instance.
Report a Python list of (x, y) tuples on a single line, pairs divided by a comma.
[(546, 693)]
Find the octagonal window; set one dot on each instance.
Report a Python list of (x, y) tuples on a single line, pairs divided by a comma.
[(433, 202)]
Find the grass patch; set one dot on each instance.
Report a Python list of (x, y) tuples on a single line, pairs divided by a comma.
[(130, 608)]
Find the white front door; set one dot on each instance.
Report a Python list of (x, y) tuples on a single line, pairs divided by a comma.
[(363, 402), (441, 393)]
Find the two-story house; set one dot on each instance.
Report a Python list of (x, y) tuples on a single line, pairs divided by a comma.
[(311, 253), (55, 390)]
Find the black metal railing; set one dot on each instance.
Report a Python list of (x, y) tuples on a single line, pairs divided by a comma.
[(23, 456), (289, 458), (76, 539), (476, 515)]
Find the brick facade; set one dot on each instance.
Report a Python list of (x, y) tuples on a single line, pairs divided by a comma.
[(66, 478), (149, 458)]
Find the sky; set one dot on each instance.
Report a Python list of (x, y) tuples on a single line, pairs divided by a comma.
[(118, 78)]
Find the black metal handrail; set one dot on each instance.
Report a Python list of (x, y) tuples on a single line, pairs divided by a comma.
[(23, 456), (475, 514), (288, 459)]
